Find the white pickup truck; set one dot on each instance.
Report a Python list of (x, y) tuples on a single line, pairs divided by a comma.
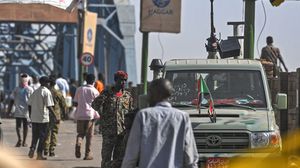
[(245, 117)]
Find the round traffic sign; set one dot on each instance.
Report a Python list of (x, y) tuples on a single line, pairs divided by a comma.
[(86, 59)]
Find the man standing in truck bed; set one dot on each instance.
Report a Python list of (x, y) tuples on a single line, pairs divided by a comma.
[(271, 53)]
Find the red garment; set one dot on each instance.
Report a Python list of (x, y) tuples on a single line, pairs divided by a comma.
[(119, 94)]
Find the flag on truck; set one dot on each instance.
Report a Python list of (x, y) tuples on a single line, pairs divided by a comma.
[(205, 99)]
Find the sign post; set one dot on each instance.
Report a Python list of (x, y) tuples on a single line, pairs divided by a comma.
[(86, 59), (87, 39), (160, 16), (157, 16)]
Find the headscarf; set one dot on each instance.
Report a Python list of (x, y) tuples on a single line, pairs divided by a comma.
[(24, 79)]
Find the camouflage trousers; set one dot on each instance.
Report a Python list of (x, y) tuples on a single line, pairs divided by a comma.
[(51, 139), (113, 147)]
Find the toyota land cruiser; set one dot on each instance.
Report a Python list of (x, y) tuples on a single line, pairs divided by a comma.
[(245, 118)]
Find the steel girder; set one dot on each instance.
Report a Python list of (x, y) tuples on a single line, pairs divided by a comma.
[(33, 48), (114, 48)]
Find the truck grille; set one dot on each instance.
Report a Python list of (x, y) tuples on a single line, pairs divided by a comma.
[(225, 142)]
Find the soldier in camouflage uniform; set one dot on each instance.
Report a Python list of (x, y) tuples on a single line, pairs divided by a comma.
[(113, 104), (59, 109)]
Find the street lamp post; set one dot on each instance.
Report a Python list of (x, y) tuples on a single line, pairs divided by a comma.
[(249, 30), (212, 42), (145, 61)]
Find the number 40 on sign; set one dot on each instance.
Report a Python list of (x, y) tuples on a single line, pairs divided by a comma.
[(86, 59)]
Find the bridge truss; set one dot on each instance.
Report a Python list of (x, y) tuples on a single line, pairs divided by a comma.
[(50, 44)]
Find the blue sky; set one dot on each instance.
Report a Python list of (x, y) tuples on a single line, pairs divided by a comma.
[(282, 23)]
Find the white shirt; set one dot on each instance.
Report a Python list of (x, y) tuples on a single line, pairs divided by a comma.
[(63, 86), (161, 137), (39, 101), (35, 85)]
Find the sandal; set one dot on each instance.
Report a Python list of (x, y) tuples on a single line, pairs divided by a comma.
[(19, 143)]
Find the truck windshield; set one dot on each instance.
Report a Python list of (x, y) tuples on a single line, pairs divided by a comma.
[(226, 87)]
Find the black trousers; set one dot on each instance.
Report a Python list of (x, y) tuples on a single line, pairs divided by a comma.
[(20, 121), (39, 134)]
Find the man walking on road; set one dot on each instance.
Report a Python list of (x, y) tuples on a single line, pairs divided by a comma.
[(59, 110), (161, 136), (20, 96), (40, 105), (85, 116), (113, 104)]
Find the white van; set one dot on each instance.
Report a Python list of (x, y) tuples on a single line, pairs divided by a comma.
[(245, 118)]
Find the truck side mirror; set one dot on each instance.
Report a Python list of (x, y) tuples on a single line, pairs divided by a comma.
[(281, 101)]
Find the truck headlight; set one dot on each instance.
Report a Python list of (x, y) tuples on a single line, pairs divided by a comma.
[(265, 140)]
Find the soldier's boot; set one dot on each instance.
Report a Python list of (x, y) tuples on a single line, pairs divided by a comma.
[(45, 152), (51, 150), (52, 154)]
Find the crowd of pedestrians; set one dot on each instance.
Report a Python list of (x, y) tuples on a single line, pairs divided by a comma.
[(39, 103), (158, 136)]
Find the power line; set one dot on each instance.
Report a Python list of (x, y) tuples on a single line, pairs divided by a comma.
[(263, 27), (161, 46)]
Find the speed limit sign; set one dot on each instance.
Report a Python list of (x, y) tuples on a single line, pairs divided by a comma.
[(86, 59)]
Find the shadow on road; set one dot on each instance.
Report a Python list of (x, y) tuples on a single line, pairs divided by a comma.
[(62, 160), (86, 167)]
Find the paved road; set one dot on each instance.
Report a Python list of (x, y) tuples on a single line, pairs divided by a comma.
[(65, 157)]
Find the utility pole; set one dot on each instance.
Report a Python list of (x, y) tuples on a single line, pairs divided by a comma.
[(80, 38), (249, 30), (144, 61)]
